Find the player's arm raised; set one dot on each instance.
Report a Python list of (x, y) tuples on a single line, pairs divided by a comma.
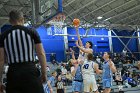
[(73, 56), (83, 49), (78, 35)]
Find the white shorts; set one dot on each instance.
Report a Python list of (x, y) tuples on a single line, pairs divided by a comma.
[(90, 85)]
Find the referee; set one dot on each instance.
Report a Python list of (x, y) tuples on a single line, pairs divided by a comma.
[(19, 44)]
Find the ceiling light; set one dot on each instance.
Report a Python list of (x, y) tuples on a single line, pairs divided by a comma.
[(99, 17), (107, 19)]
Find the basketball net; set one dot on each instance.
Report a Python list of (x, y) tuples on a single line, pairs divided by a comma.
[(58, 23)]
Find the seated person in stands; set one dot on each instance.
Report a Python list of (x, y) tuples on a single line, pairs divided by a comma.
[(68, 55), (48, 71), (138, 77), (138, 65), (68, 78), (131, 81), (53, 58), (48, 87), (63, 69), (128, 61), (64, 72), (133, 58), (60, 85), (98, 59), (125, 75), (124, 52), (118, 77), (58, 69)]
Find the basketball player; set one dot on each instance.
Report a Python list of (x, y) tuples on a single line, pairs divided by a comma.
[(88, 47), (76, 72), (108, 69), (88, 70)]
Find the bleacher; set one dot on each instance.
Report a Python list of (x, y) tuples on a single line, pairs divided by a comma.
[(115, 88)]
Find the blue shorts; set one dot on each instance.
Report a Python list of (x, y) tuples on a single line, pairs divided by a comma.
[(77, 86), (107, 83)]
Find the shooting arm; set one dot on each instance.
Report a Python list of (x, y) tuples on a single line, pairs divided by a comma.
[(78, 35)]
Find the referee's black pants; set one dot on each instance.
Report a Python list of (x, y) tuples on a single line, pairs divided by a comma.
[(23, 78)]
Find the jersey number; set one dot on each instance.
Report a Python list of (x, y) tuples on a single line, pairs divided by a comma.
[(86, 66)]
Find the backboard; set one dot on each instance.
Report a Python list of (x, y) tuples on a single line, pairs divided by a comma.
[(48, 9)]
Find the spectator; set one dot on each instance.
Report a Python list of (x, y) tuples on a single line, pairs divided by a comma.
[(63, 69), (68, 55), (58, 70), (53, 58), (68, 78), (48, 71), (118, 77), (131, 81), (48, 87), (138, 65), (60, 85), (133, 58)]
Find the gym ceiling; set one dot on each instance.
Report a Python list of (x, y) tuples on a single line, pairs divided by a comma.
[(122, 14)]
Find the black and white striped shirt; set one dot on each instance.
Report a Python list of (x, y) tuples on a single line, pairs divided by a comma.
[(19, 44), (60, 85)]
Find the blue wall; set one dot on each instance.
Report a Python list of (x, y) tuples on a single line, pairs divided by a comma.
[(52, 44), (55, 44), (132, 46), (118, 46)]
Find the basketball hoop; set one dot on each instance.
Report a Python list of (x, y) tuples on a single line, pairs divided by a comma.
[(58, 23)]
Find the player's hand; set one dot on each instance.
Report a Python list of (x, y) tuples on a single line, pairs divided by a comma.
[(139, 65)]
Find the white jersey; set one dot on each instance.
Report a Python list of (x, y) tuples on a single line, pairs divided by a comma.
[(83, 56), (89, 80), (88, 69)]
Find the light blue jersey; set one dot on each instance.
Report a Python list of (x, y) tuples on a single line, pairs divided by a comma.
[(107, 73), (77, 83), (107, 76), (78, 75)]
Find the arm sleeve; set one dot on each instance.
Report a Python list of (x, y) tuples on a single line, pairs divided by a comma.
[(36, 36), (1, 41)]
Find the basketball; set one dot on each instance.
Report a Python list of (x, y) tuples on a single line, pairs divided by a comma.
[(76, 22)]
